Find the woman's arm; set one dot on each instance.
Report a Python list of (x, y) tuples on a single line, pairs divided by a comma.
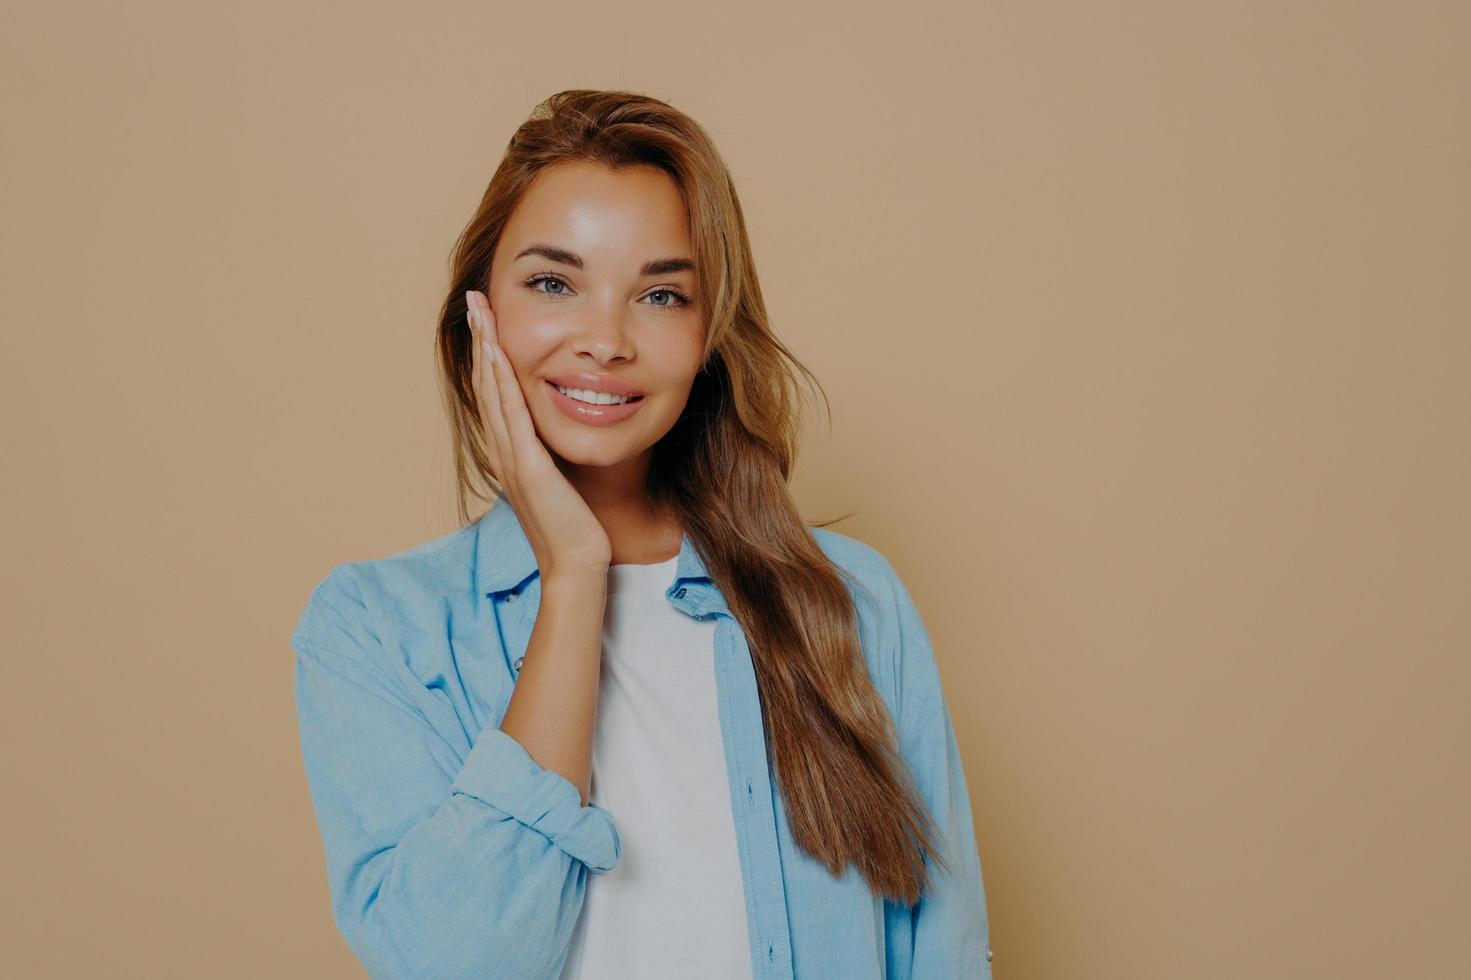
[(952, 937), (442, 866), (554, 705), (950, 926)]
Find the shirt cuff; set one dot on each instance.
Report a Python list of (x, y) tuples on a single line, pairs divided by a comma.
[(501, 773)]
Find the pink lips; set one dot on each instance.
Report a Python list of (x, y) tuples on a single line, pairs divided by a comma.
[(592, 414), (595, 382)]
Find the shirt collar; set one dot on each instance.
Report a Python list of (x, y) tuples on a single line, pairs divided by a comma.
[(504, 558)]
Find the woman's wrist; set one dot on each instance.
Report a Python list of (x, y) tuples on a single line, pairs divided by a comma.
[(576, 582)]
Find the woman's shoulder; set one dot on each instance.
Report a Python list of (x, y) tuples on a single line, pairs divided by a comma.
[(901, 652), (847, 550), (864, 564), (893, 633), (411, 583)]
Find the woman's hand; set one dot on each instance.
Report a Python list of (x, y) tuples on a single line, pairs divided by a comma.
[(565, 535)]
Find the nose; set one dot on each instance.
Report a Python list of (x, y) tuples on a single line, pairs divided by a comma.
[(602, 332)]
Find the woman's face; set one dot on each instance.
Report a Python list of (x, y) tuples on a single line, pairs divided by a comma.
[(592, 286)]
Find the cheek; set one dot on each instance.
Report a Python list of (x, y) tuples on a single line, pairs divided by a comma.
[(528, 335), (515, 312), (520, 335), (689, 365), (677, 387)]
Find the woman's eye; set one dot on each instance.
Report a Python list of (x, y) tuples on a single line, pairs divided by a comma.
[(676, 294), (536, 280)]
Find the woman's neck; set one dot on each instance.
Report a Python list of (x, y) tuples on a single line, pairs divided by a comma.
[(618, 496)]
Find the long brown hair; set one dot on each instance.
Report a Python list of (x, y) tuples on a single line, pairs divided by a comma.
[(723, 470)]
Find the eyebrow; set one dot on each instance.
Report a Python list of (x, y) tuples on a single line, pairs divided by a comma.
[(653, 267)]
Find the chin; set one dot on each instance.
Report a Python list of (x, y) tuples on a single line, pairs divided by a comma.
[(592, 449)]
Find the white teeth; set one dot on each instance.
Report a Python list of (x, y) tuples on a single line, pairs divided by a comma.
[(593, 397)]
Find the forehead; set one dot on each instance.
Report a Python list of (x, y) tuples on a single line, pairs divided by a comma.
[(608, 217)]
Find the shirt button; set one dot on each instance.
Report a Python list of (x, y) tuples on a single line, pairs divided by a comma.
[(511, 597), (680, 593), (988, 954), (519, 662)]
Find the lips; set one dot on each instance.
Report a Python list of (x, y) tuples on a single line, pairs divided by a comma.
[(588, 414), (629, 399), (589, 381)]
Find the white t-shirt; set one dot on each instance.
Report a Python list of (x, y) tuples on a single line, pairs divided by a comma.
[(674, 908)]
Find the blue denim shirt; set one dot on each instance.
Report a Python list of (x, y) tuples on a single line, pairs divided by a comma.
[(450, 853)]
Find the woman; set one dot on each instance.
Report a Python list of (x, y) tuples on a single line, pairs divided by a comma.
[(640, 719)]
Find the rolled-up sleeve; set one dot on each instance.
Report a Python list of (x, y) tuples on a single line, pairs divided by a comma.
[(439, 866), (949, 926), (500, 773)]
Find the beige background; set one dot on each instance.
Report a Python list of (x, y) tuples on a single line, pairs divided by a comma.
[(1145, 328)]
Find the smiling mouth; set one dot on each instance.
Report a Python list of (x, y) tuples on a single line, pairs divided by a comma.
[(594, 398)]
